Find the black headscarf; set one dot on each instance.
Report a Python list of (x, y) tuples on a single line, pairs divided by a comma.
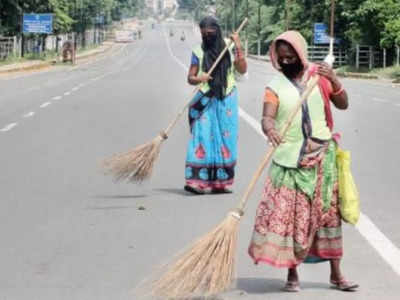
[(212, 47)]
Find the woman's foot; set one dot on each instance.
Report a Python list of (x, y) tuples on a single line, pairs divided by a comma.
[(344, 285), (292, 284), (337, 280), (193, 190)]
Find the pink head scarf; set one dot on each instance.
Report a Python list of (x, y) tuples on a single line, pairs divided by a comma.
[(297, 41), (299, 44)]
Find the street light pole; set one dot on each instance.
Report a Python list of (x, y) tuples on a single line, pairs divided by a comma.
[(246, 50), (259, 30), (287, 14)]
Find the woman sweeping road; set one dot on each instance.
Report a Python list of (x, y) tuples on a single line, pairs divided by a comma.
[(213, 113), (298, 218)]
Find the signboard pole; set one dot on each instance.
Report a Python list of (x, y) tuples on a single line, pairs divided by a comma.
[(22, 37), (74, 48)]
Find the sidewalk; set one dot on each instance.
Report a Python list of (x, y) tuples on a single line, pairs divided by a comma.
[(40, 64)]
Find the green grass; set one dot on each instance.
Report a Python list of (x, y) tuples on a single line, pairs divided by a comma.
[(41, 56), (389, 73), (44, 56), (12, 59), (352, 69), (87, 48)]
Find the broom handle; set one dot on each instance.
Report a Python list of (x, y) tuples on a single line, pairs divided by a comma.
[(173, 123), (256, 176)]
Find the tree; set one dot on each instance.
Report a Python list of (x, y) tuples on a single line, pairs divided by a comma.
[(384, 15), (69, 15)]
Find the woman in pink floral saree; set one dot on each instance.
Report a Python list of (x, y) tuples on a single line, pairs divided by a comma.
[(298, 218)]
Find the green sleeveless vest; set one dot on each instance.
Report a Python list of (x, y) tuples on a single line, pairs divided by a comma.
[(288, 154), (198, 51)]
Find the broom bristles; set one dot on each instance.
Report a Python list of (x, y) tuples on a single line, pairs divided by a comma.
[(206, 268), (135, 165)]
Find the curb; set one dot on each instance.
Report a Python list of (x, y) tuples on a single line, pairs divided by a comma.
[(357, 75), (94, 53), (37, 66)]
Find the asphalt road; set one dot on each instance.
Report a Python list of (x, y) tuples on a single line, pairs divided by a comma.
[(68, 232)]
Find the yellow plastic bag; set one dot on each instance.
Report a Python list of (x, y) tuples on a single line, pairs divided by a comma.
[(348, 194)]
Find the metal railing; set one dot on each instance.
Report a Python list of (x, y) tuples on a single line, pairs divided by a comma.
[(8, 47), (318, 53), (34, 44)]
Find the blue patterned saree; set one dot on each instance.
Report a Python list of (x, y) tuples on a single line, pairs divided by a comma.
[(212, 148)]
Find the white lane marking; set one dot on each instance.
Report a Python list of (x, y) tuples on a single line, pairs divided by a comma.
[(45, 104), (172, 54), (8, 127), (380, 100), (97, 78), (56, 98), (29, 114), (388, 251), (75, 88), (398, 104), (67, 93), (385, 248), (253, 123)]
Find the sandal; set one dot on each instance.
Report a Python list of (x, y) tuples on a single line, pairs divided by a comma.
[(193, 190), (344, 285), (292, 286), (221, 191)]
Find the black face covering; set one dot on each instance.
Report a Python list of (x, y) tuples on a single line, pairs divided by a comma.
[(209, 39), (291, 70), (213, 44)]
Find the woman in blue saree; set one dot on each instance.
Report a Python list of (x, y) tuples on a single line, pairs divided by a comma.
[(213, 112)]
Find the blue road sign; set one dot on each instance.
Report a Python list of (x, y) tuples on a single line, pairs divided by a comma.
[(320, 35), (38, 23)]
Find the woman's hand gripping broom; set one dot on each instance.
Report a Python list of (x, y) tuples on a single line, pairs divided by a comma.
[(208, 266), (137, 164)]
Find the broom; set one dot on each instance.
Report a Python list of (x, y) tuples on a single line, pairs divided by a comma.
[(137, 164), (208, 266)]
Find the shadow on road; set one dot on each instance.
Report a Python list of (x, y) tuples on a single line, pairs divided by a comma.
[(109, 207), (181, 192), (119, 196), (268, 285)]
